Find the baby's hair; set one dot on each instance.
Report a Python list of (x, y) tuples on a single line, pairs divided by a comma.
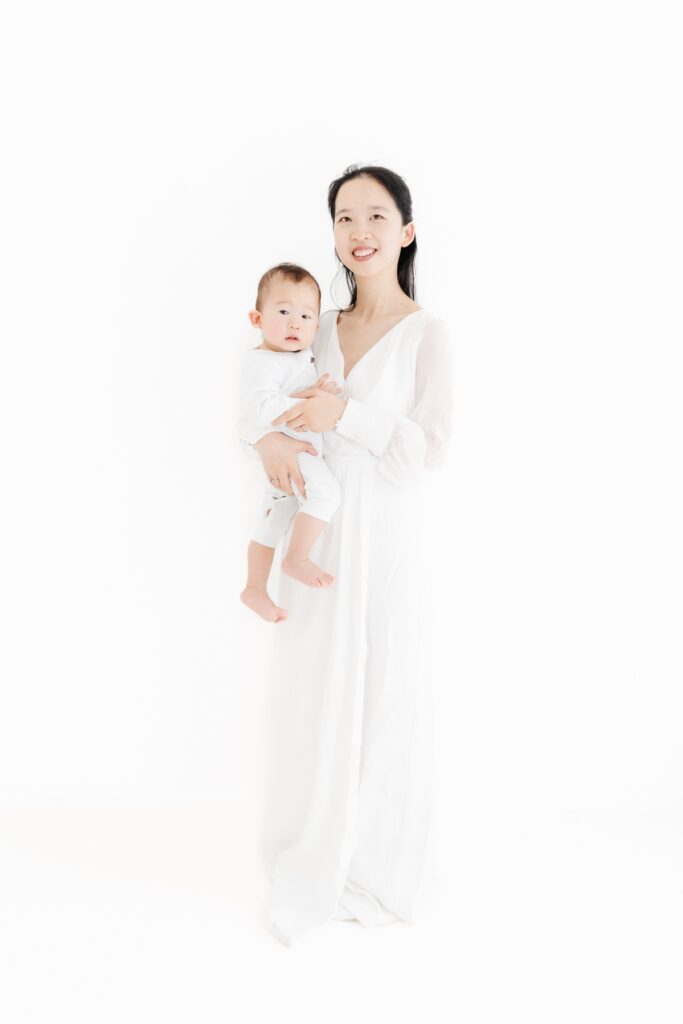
[(287, 271)]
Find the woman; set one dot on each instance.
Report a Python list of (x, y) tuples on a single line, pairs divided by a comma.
[(348, 817)]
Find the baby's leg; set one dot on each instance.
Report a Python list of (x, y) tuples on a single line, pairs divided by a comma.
[(255, 594), (296, 563)]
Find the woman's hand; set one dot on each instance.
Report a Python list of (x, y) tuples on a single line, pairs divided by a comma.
[(319, 411), (279, 457), (326, 385)]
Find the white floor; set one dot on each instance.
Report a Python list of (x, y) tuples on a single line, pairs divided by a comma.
[(548, 916)]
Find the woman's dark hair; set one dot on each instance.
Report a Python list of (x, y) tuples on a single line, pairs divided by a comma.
[(397, 188)]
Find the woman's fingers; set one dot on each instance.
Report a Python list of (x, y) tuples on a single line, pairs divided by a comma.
[(304, 393), (283, 482), (288, 414), (299, 481)]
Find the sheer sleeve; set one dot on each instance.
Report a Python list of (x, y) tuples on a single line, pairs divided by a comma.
[(406, 445)]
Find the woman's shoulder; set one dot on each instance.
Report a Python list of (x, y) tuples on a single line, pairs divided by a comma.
[(430, 317), (427, 313), (427, 322), (433, 335), (429, 333), (326, 322)]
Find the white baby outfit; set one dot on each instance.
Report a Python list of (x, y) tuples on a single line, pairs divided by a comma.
[(266, 382)]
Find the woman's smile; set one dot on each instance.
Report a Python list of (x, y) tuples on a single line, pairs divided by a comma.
[(362, 253)]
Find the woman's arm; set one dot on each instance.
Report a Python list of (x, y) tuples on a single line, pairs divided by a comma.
[(257, 414), (405, 445), (279, 457)]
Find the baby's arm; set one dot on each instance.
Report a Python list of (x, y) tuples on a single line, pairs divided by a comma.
[(266, 402), (251, 431), (258, 400), (261, 395), (264, 405)]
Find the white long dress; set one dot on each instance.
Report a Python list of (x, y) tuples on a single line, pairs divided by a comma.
[(348, 812)]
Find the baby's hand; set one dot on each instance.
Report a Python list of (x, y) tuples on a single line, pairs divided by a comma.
[(329, 385)]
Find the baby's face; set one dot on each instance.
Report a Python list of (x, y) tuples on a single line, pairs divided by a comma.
[(289, 319)]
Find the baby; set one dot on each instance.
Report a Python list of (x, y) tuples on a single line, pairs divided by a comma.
[(287, 312)]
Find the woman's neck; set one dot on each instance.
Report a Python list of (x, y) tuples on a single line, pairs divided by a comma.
[(379, 299)]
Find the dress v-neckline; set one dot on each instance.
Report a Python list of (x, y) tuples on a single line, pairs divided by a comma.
[(345, 376)]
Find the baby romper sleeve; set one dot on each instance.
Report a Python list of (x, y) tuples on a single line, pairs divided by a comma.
[(261, 399), (405, 445)]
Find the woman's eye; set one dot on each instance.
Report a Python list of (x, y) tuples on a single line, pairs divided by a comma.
[(344, 217)]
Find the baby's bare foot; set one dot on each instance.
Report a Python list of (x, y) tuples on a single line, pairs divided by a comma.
[(306, 571), (257, 599)]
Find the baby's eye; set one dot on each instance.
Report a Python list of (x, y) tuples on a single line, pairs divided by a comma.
[(283, 311), (308, 316)]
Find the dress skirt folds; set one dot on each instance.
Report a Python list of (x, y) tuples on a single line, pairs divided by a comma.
[(348, 815)]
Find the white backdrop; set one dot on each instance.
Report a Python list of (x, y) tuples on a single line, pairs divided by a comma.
[(159, 159)]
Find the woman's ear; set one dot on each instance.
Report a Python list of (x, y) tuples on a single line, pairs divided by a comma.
[(408, 234)]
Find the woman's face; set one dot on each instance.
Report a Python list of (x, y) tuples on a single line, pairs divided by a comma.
[(366, 216)]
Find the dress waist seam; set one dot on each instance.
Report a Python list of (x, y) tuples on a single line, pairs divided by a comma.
[(359, 458)]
